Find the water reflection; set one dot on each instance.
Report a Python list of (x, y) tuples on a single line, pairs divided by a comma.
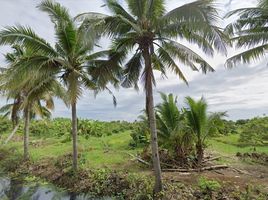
[(17, 189)]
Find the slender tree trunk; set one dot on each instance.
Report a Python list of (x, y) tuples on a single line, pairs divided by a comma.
[(14, 113), (12, 133), (26, 132), (200, 153), (152, 121), (180, 154), (74, 134)]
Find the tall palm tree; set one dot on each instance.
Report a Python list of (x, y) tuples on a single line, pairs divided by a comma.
[(69, 59), (249, 31), (201, 123), (150, 34)]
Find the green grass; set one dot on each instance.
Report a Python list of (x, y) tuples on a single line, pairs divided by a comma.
[(229, 145), (108, 151), (112, 151)]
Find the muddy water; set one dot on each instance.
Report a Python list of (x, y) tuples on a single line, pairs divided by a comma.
[(18, 189)]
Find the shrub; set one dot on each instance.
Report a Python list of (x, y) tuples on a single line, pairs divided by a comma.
[(255, 132), (5, 125), (208, 186), (61, 127), (140, 135)]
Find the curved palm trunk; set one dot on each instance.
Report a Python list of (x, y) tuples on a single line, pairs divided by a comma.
[(74, 134), (26, 132), (152, 120), (12, 133), (14, 118)]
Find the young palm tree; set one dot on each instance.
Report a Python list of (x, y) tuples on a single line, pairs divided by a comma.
[(201, 123), (249, 31), (150, 34), (70, 58), (172, 128)]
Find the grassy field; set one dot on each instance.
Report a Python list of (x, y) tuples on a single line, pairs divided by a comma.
[(228, 145), (109, 151), (113, 151)]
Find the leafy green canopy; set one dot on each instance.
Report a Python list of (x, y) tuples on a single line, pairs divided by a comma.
[(26, 90), (69, 59), (249, 31), (201, 123), (147, 25), (171, 124)]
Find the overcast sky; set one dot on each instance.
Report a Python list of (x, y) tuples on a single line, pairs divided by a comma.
[(242, 91)]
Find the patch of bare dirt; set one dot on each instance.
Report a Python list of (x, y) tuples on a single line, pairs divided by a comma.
[(238, 176)]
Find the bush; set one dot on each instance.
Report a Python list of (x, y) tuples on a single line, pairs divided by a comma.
[(10, 159), (208, 185), (140, 135), (255, 132), (61, 127), (56, 127), (5, 125)]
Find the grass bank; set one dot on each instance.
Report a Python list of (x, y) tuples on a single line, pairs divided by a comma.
[(106, 169)]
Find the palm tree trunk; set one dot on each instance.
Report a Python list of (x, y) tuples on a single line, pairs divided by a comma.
[(180, 154), (200, 153), (152, 120), (74, 134), (12, 133), (26, 132)]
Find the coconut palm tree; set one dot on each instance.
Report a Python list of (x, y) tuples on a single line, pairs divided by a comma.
[(249, 31), (69, 59), (172, 129), (30, 89), (32, 92), (13, 110), (201, 123), (149, 33)]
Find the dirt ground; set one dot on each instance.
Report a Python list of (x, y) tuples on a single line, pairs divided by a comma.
[(240, 174)]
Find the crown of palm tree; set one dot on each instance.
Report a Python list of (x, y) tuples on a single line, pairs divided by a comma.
[(200, 121), (249, 31), (147, 24), (69, 58), (25, 89)]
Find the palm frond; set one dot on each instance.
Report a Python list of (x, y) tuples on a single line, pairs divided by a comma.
[(200, 10), (27, 37), (186, 56), (137, 8), (155, 9), (132, 71), (57, 13), (170, 63), (248, 55), (117, 9)]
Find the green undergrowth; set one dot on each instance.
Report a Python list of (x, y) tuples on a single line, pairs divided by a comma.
[(108, 151), (229, 145), (107, 169)]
